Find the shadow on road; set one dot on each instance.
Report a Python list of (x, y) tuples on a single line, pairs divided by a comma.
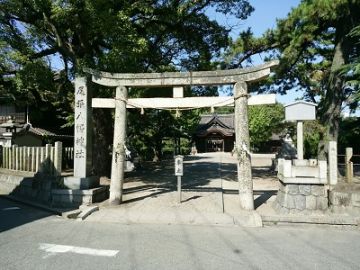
[(14, 214)]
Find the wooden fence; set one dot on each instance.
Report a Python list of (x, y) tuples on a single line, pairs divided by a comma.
[(48, 159), (68, 158)]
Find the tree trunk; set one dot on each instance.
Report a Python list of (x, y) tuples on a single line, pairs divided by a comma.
[(103, 133), (157, 152), (331, 105)]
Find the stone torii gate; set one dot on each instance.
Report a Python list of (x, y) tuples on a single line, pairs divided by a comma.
[(236, 77)]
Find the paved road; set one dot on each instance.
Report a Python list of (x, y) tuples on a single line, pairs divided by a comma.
[(50, 242)]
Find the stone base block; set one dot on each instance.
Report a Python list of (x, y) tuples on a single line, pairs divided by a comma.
[(76, 197), (345, 198), (72, 182), (301, 198)]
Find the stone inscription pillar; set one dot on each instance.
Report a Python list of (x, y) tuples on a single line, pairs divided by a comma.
[(243, 146), (82, 178), (118, 153), (83, 130)]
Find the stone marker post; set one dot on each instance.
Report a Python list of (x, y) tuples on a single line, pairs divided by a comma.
[(179, 171), (82, 178), (83, 130), (333, 165), (243, 146), (299, 140), (118, 155)]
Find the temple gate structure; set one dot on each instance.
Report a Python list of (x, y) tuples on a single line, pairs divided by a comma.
[(238, 78)]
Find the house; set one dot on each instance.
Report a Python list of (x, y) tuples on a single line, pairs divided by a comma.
[(9, 111), (215, 133), (16, 129), (32, 136), (11, 120)]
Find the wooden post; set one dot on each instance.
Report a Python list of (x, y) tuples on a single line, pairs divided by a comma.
[(11, 157), (48, 164), (21, 157), (37, 159), (2, 156), (42, 159), (348, 164), (4, 162), (28, 160), (16, 158), (52, 160), (58, 158), (118, 153), (243, 146), (33, 159)]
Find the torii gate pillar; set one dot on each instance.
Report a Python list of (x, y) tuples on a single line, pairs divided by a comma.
[(118, 152), (242, 147)]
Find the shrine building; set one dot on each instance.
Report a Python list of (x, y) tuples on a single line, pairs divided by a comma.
[(215, 133)]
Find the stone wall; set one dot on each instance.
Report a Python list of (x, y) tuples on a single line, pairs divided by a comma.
[(45, 189), (28, 185), (76, 197), (345, 198), (301, 198)]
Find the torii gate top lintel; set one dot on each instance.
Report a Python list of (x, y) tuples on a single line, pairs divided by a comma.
[(216, 77)]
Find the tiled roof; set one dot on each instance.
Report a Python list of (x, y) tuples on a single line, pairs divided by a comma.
[(222, 123), (40, 132), (226, 119)]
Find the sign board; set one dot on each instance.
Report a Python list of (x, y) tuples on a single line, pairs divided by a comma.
[(300, 110), (179, 168)]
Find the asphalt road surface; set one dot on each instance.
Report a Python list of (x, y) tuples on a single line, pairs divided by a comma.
[(33, 239)]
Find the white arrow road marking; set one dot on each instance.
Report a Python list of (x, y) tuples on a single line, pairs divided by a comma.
[(11, 208), (53, 248)]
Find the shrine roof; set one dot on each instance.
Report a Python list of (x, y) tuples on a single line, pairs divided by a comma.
[(212, 123)]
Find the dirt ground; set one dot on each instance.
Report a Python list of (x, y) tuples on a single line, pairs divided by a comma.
[(209, 184)]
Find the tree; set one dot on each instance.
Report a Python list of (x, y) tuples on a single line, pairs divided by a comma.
[(264, 121), (113, 36), (318, 48)]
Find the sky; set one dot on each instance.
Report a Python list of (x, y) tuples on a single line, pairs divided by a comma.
[(263, 18)]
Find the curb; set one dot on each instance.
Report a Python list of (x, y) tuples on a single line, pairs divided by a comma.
[(324, 220), (242, 219), (86, 211)]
